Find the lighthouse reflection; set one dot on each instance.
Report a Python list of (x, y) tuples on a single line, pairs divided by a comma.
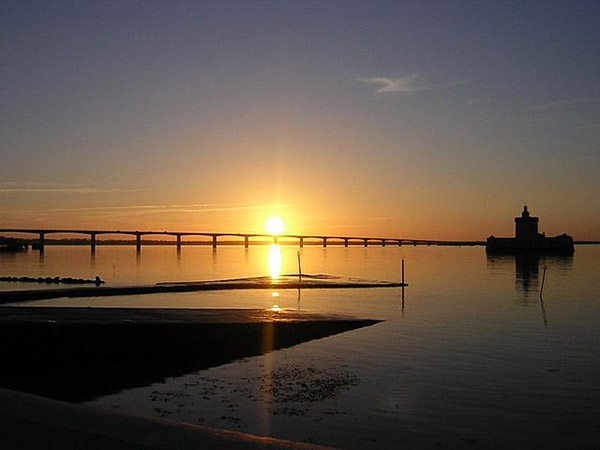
[(527, 267)]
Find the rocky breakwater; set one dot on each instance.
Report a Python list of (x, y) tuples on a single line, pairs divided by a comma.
[(55, 280)]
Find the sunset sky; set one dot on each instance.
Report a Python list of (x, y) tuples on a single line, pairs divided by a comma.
[(414, 119)]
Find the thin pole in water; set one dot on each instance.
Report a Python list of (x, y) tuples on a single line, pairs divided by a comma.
[(402, 287), (299, 267), (402, 272), (543, 280)]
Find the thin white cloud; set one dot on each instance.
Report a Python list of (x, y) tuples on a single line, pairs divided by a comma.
[(402, 85), (29, 187), (34, 184), (479, 101), (191, 208), (48, 190), (139, 210), (563, 103), (407, 84)]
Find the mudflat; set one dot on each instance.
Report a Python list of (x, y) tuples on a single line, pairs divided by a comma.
[(79, 354)]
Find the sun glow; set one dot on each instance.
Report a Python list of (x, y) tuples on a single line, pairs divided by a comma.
[(275, 225), (275, 261)]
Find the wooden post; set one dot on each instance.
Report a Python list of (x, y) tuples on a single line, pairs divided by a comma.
[(402, 287), (543, 280), (299, 268), (301, 242), (402, 272)]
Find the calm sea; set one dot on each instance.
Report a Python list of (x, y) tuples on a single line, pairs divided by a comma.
[(469, 357)]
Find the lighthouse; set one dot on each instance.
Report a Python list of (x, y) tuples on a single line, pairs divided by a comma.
[(528, 238), (526, 226)]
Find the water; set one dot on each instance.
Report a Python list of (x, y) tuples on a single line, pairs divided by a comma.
[(470, 359)]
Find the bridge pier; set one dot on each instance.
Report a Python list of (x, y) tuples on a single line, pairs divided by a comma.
[(42, 241), (93, 241), (324, 242), (346, 242), (214, 241), (138, 241), (366, 242), (383, 243), (301, 242), (275, 240), (399, 243), (246, 241), (179, 242)]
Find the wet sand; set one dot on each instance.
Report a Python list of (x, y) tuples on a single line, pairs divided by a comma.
[(78, 354), (291, 281), (31, 422)]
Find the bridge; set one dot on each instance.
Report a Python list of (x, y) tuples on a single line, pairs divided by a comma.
[(179, 235)]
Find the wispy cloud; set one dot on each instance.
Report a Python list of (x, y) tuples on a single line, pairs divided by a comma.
[(82, 190), (403, 85), (479, 101), (32, 184), (188, 208), (407, 84), (128, 213), (147, 210), (26, 187), (563, 103)]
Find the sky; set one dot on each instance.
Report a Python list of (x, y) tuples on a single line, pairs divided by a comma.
[(409, 119)]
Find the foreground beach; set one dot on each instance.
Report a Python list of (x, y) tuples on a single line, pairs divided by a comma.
[(31, 422), (77, 354)]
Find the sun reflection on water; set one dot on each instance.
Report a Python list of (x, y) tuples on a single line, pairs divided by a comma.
[(275, 261)]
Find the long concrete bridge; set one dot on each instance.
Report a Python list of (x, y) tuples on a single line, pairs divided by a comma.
[(179, 235)]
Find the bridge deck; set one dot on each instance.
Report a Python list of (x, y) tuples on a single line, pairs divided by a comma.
[(346, 240)]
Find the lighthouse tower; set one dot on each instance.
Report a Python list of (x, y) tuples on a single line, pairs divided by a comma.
[(526, 226)]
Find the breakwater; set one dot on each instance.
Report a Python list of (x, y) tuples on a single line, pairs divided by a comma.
[(54, 280)]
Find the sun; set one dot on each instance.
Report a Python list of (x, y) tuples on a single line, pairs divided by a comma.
[(275, 226)]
